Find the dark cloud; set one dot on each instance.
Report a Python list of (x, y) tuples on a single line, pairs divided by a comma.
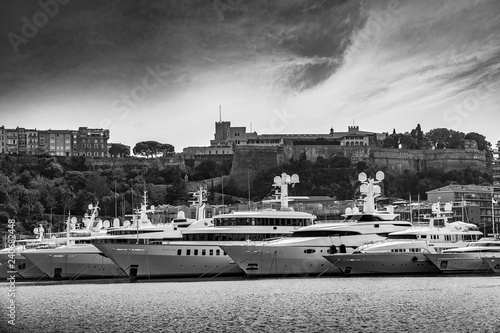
[(113, 41)]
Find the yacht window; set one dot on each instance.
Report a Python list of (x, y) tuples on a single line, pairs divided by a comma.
[(188, 252), (196, 252), (217, 252), (324, 233), (203, 252), (211, 252), (402, 237), (369, 218), (309, 251), (179, 252)]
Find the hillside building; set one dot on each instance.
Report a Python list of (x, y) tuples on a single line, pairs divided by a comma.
[(226, 138), (496, 163), (486, 197), (90, 142)]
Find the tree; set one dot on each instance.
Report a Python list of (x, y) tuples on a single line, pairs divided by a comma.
[(166, 149), (153, 148), (206, 169), (482, 144), (119, 150), (141, 148), (443, 138)]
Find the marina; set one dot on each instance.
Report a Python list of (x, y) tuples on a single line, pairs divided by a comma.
[(150, 155)]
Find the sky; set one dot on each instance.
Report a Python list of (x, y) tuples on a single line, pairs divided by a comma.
[(160, 70)]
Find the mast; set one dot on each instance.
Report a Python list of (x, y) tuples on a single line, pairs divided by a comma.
[(463, 204), (493, 211), (283, 182), (67, 228), (370, 189), (411, 215), (418, 207)]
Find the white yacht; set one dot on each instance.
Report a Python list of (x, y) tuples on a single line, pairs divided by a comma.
[(81, 259), (23, 268), (12, 262), (302, 252), (468, 259), (403, 251), (199, 253)]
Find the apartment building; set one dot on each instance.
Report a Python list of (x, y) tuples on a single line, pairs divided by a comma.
[(90, 142)]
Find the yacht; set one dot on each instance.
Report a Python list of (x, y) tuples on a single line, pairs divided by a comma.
[(199, 253), (81, 259), (12, 262), (468, 259), (403, 251), (302, 253), (17, 264)]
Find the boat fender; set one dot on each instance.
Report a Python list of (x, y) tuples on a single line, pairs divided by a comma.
[(333, 249), (342, 248)]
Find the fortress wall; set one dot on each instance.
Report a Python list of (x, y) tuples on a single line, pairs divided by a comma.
[(312, 152), (421, 160)]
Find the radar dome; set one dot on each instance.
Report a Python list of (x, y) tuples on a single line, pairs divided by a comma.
[(362, 177)]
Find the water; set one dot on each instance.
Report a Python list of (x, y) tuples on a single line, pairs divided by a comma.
[(354, 304)]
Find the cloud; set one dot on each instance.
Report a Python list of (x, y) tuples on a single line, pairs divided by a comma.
[(325, 62)]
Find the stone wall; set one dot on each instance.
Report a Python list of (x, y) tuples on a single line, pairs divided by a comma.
[(312, 152), (157, 162), (422, 160), (248, 160)]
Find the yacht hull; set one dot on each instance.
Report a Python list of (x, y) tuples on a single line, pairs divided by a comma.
[(382, 263), (459, 262), (74, 263), (493, 261), (166, 261), (23, 268), (262, 261)]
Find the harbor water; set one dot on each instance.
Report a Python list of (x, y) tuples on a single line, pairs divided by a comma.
[(354, 304)]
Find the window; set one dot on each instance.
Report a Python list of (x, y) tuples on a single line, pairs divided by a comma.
[(211, 252), (179, 252), (196, 252), (203, 252), (217, 252), (188, 252)]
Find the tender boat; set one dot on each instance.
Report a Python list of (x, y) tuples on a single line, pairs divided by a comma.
[(199, 253), (468, 259), (302, 253), (403, 251)]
